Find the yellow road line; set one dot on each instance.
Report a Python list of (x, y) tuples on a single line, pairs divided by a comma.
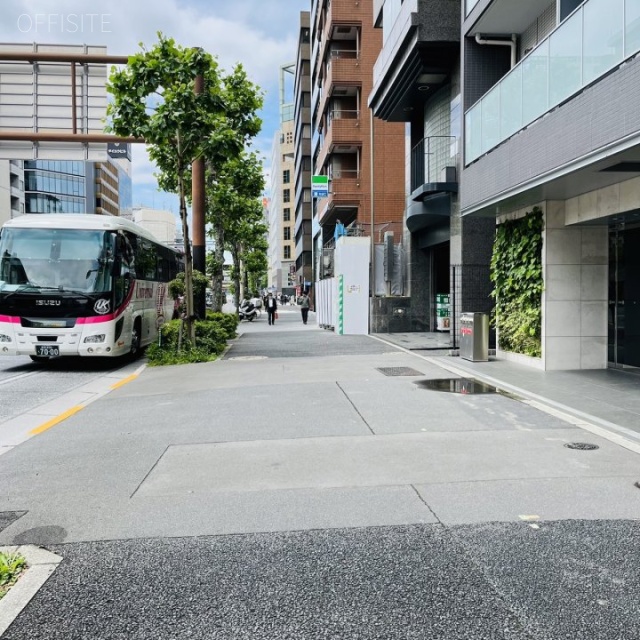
[(54, 421), (124, 381)]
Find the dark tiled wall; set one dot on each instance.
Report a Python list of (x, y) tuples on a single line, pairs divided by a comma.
[(484, 65)]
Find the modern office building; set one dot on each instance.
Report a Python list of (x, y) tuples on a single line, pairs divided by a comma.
[(58, 186), (11, 190), (302, 155), (71, 186), (416, 80), (281, 256), (362, 158), (550, 97)]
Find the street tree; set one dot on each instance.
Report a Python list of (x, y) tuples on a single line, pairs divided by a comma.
[(245, 232), (154, 98), (233, 189)]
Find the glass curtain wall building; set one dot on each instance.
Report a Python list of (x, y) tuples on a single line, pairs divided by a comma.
[(55, 186)]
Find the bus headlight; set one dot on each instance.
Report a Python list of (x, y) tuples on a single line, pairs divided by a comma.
[(4, 337), (97, 338)]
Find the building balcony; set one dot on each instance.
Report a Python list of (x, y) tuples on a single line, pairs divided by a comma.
[(595, 39), (504, 16), (343, 134), (420, 49), (433, 167), (342, 72), (340, 20), (345, 194)]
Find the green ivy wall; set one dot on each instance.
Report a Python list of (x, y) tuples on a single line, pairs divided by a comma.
[(516, 273)]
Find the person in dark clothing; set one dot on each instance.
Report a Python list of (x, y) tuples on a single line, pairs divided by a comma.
[(271, 305), (304, 303)]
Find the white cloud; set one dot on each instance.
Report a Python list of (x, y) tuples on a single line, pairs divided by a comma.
[(260, 34)]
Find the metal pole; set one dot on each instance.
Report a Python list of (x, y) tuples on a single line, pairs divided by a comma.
[(373, 229), (74, 115), (198, 213), (31, 136), (453, 301)]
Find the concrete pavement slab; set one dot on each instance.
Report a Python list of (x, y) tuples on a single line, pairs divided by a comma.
[(400, 459), (222, 513), (393, 406), (581, 498)]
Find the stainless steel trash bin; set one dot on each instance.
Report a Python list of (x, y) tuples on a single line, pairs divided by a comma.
[(474, 337)]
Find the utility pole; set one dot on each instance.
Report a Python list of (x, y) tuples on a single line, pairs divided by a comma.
[(198, 214)]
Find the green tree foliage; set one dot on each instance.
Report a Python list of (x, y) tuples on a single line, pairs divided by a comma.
[(516, 271), (235, 215), (177, 287), (154, 98)]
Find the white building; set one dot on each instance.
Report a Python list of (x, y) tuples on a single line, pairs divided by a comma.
[(281, 256), (161, 223)]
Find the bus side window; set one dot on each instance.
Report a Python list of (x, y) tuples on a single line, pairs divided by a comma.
[(123, 269)]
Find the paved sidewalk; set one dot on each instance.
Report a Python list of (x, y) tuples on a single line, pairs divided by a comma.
[(311, 486), (607, 397)]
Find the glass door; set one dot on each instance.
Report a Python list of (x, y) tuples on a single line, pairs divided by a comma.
[(624, 297)]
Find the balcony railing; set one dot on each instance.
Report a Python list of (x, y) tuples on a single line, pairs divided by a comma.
[(594, 39), (429, 157), (342, 126), (342, 114), (469, 5), (338, 174)]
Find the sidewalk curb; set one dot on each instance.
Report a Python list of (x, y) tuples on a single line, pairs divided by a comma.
[(40, 566), (602, 428)]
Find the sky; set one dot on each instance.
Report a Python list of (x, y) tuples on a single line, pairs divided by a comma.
[(260, 34)]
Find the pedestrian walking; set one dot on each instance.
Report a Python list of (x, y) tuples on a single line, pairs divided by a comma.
[(271, 305), (304, 303)]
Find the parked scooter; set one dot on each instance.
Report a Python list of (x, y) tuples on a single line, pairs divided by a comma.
[(247, 311)]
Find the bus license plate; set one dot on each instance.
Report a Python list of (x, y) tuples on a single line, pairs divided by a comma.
[(47, 351)]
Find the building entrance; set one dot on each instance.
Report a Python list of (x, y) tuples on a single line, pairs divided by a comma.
[(624, 297), (441, 286)]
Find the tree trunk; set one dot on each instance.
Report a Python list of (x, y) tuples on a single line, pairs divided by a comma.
[(188, 262), (245, 279), (235, 252), (218, 271)]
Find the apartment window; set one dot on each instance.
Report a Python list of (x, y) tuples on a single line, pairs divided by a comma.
[(286, 195), (286, 176), (287, 233), (286, 214), (287, 253), (289, 137), (306, 195), (306, 131)]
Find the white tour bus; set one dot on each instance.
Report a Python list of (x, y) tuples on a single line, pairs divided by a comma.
[(81, 284)]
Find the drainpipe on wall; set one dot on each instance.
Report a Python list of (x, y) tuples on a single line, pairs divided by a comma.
[(512, 42)]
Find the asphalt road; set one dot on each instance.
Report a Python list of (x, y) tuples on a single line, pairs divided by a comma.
[(565, 580), (293, 491)]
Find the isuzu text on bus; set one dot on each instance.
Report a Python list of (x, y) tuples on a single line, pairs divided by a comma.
[(76, 284)]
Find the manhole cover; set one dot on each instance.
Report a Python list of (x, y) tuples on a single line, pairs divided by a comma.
[(456, 385), (399, 371), (582, 446)]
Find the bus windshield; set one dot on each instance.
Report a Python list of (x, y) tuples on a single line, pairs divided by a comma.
[(61, 259)]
